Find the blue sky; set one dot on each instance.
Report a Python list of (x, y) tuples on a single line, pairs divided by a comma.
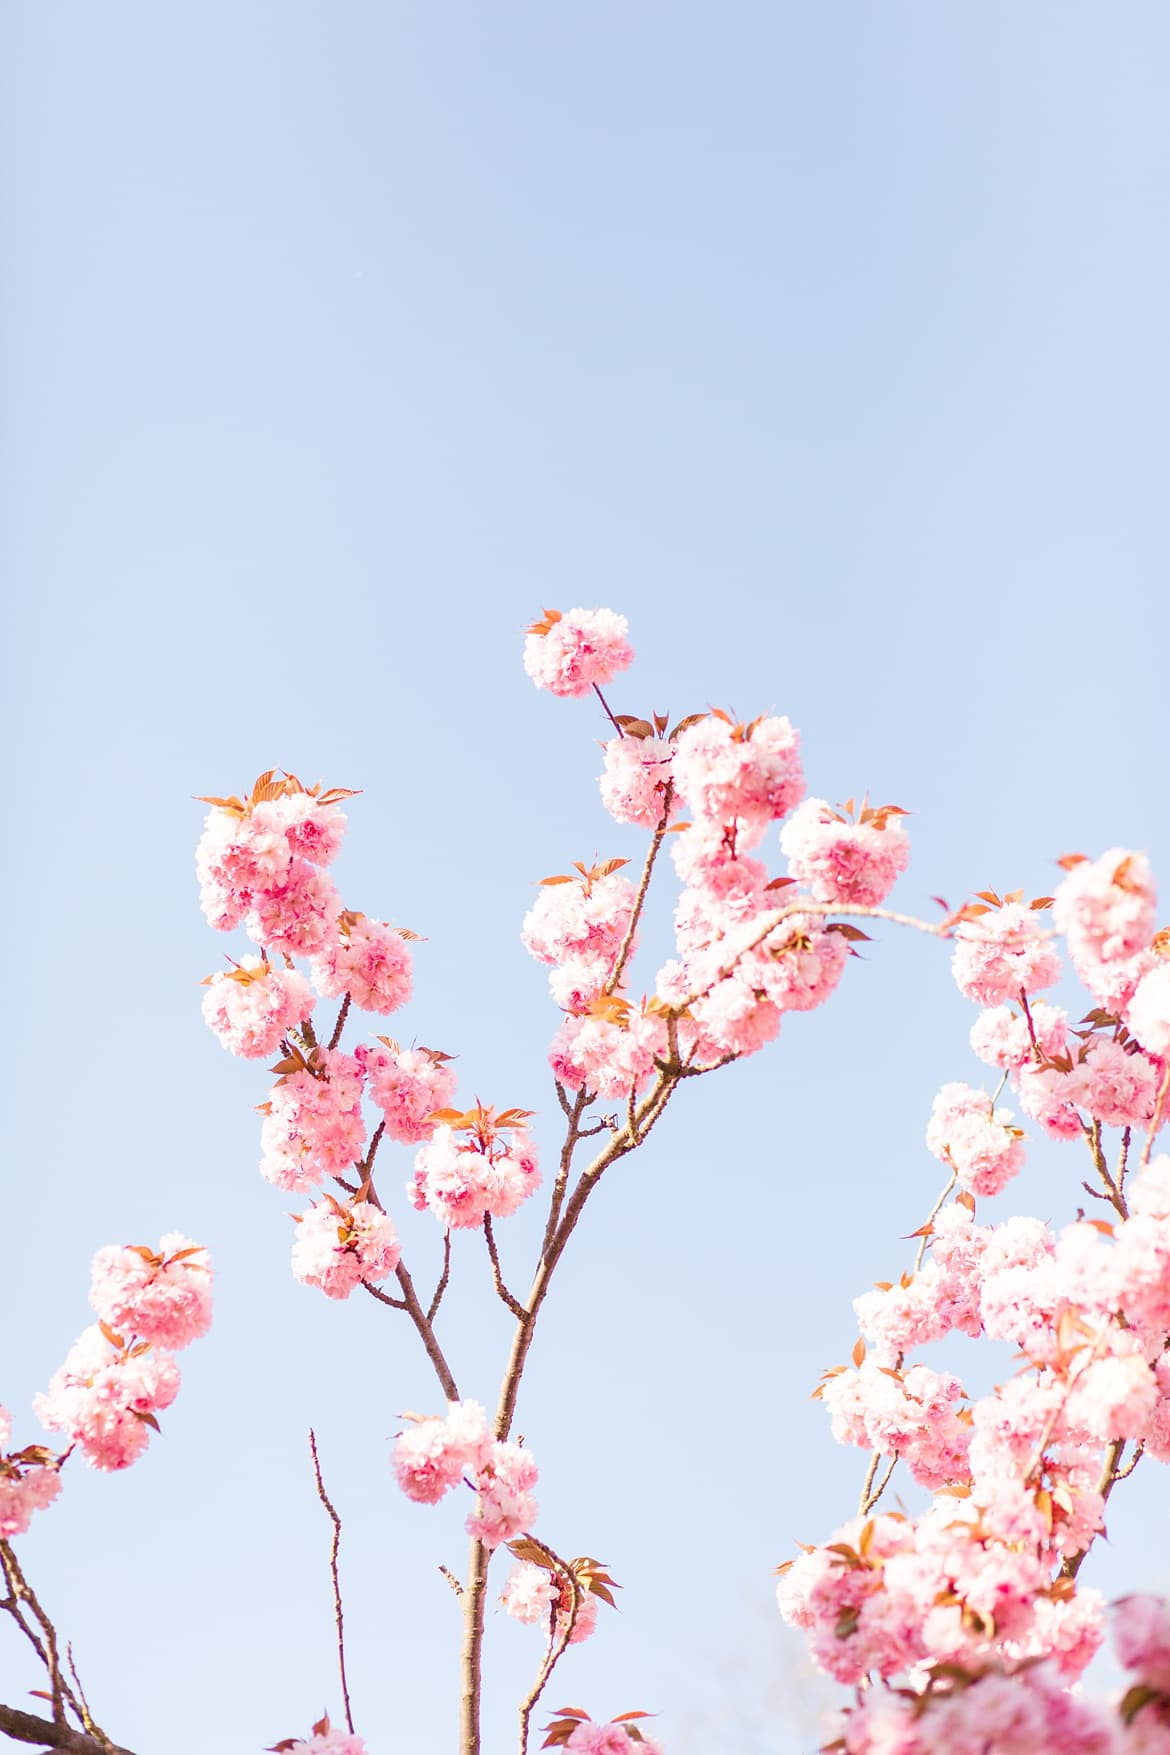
[(826, 342)]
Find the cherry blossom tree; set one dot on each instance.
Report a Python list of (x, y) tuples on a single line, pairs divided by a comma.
[(963, 1626)]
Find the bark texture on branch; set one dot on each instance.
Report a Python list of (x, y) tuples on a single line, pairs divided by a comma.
[(24, 1727)]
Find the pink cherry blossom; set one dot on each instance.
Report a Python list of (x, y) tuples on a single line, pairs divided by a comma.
[(844, 861), (1114, 1085), (748, 774), (300, 917), (1003, 952), (407, 1084), (463, 1178), (162, 1296), (105, 1400), (336, 1246), (1141, 1633), (313, 1125), (966, 1132), (1000, 1036), (1106, 907), (505, 1477), (251, 1007), (369, 960), (1148, 1012), (637, 773), (431, 1455), (580, 917), (571, 653), (29, 1482)]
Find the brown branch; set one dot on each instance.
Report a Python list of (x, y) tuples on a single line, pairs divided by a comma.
[(338, 1027), (367, 1163), (1113, 1193), (384, 1297), (427, 1334), (333, 1552), (433, 1306), (514, 1304), (643, 886), (557, 1644), (22, 1727), (777, 916), (870, 1499), (1111, 1473), (574, 1114), (608, 714)]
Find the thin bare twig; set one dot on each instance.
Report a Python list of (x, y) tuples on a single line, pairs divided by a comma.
[(383, 1297), (514, 1304), (876, 1492), (608, 714), (935, 1210), (333, 1552)]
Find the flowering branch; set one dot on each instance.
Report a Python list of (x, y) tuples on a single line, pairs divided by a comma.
[(558, 1639)]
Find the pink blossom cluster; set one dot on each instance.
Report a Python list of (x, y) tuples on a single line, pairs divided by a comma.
[(977, 1140), (259, 861), (369, 960), (539, 1594), (911, 1414), (1110, 1071), (1003, 949), (578, 925), (407, 1085), (313, 1125), (996, 1713), (570, 653), (1010, 1710), (106, 1397), (590, 1738), (978, 1580), (634, 781), (433, 1454), (29, 1481), (483, 1166), (339, 1246), (115, 1379), (742, 965), (738, 778), (158, 1295), (611, 1050), (1106, 910), (841, 860), (252, 1006)]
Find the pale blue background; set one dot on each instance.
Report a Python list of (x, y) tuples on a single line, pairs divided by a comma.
[(826, 341)]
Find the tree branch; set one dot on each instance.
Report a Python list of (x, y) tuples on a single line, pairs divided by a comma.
[(336, 1544), (22, 1727)]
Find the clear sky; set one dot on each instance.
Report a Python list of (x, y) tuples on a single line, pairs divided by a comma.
[(828, 342)]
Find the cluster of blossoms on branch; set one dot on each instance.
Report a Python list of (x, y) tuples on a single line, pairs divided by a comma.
[(750, 946), (964, 1626), (118, 1376)]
